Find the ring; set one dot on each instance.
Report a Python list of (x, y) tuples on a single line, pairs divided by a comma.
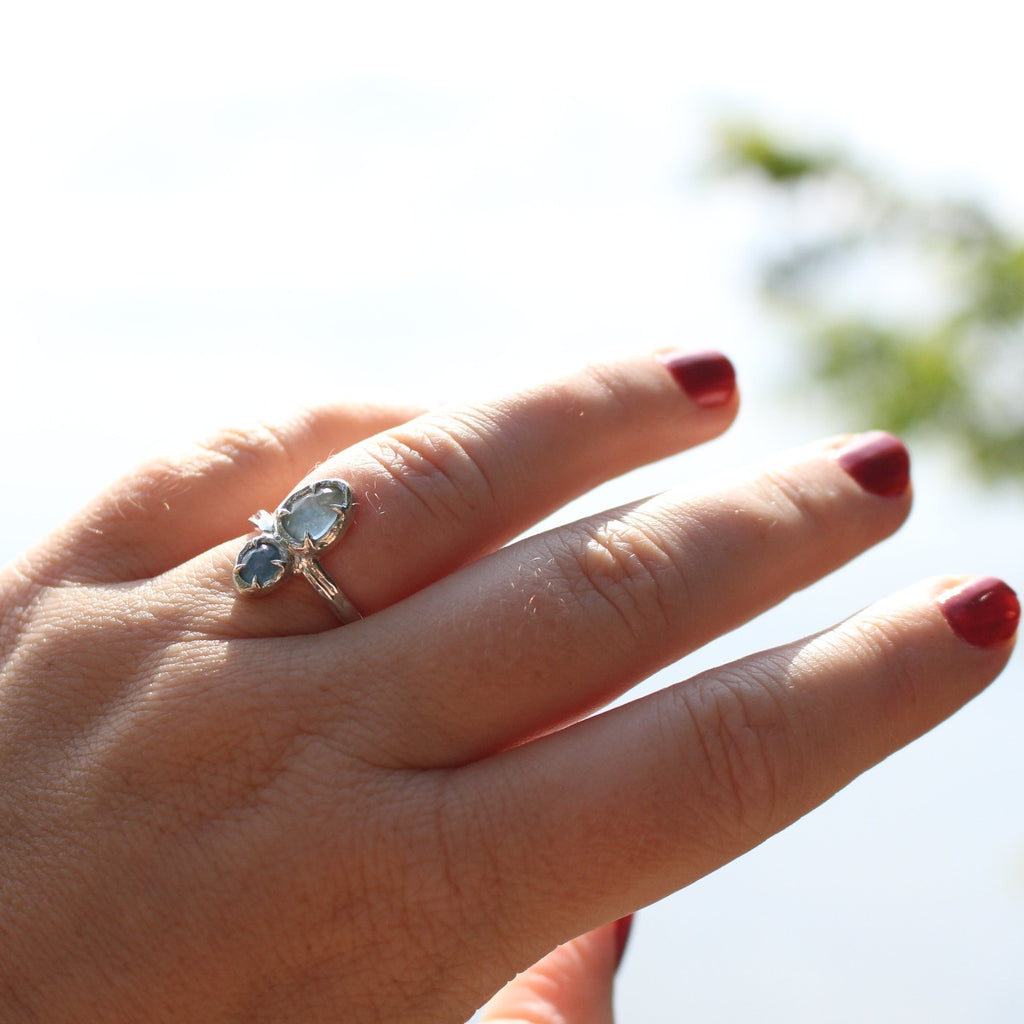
[(307, 522)]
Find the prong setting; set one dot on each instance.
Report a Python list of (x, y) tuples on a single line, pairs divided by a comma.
[(308, 521)]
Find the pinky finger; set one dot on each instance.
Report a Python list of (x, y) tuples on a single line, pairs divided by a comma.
[(571, 985)]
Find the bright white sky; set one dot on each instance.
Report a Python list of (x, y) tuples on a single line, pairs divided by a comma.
[(211, 209)]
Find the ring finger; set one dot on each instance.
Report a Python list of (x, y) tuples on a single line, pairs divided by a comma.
[(450, 486)]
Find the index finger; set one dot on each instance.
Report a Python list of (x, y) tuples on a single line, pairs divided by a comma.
[(596, 821)]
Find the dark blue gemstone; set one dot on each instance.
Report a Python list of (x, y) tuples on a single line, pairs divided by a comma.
[(262, 563)]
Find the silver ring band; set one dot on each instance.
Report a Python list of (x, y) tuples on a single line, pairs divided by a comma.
[(307, 522)]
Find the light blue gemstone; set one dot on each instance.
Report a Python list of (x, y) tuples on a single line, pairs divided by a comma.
[(311, 514)]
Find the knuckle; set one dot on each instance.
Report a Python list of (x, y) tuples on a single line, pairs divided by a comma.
[(237, 451), (610, 387), (735, 728), (21, 589), (251, 447), (874, 644), (90, 667), (624, 565), (446, 465), (790, 500)]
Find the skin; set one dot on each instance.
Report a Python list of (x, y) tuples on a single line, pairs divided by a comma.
[(222, 808)]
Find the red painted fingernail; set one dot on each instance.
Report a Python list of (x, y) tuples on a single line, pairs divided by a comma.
[(707, 377), (984, 612), (879, 462), (623, 927)]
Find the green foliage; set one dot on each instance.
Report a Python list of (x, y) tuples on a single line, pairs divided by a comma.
[(948, 362), (744, 146)]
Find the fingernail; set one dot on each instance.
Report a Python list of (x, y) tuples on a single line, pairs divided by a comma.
[(879, 462), (623, 927), (707, 377), (984, 612)]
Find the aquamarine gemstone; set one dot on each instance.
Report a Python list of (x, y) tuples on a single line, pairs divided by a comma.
[(310, 515), (316, 512)]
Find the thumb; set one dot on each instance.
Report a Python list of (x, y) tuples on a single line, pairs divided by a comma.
[(571, 985)]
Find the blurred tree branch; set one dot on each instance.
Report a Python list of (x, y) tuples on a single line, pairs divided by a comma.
[(911, 309)]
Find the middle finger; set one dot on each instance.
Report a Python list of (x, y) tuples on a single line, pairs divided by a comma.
[(556, 625)]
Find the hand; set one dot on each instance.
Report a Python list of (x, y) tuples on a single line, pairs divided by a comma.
[(218, 807)]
